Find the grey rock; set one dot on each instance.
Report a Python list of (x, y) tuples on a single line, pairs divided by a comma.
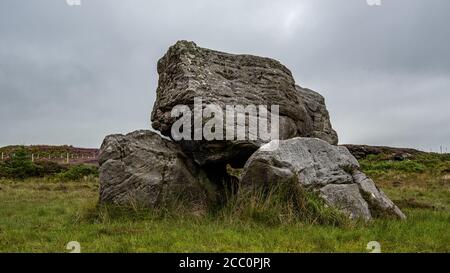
[(314, 162), (315, 165), (377, 199), (348, 199), (187, 71), (143, 168), (317, 111)]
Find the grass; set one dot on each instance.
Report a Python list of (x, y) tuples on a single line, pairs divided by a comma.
[(283, 205), (422, 182), (41, 215)]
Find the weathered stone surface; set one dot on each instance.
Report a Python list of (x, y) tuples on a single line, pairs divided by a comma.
[(318, 166), (187, 71), (377, 199), (315, 162), (142, 167), (317, 111), (347, 198)]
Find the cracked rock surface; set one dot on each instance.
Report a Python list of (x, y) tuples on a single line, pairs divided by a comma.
[(142, 167), (329, 170), (187, 71)]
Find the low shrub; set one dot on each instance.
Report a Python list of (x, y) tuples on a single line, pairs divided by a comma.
[(19, 166), (49, 168), (78, 172), (408, 166), (3, 170)]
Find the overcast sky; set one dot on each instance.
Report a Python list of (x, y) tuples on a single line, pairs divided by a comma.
[(73, 74)]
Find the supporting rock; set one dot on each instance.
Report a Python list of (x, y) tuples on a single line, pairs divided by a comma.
[(318, 166), (143, 168)]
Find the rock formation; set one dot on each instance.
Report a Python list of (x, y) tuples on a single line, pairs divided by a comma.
[(142, 167), (187, 71), (146, 168), (329, 170), (318, 113)]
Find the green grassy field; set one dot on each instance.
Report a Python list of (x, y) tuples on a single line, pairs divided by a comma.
[(43, 215)]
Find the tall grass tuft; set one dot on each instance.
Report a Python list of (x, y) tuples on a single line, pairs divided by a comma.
[(283, 204), (280, 204)]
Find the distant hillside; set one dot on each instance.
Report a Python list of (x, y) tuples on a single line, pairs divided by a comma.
[(361, 151), (59, 153), (54, 153)]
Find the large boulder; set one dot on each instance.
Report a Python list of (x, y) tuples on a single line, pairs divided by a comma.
[(330, 171), (187, 71), (143, 168), (317, 111)]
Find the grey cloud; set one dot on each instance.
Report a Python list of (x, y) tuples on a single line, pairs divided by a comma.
[(74, 74)]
